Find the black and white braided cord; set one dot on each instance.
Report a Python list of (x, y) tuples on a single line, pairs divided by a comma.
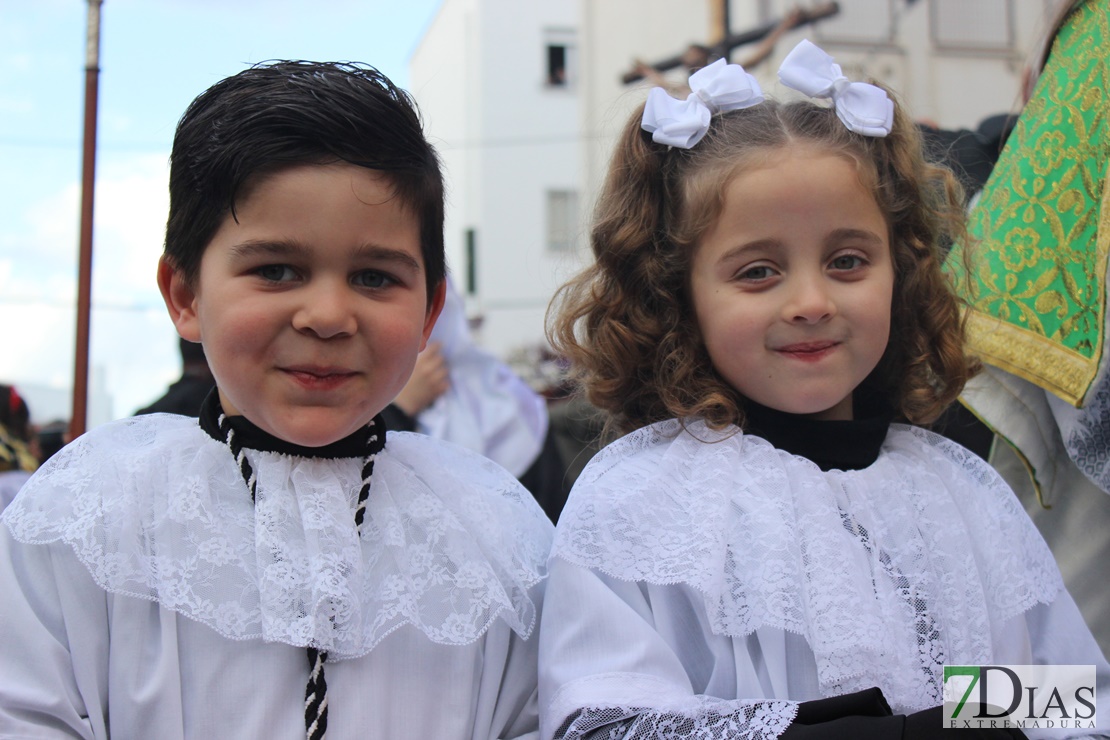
[(316, 690), (316, 696)]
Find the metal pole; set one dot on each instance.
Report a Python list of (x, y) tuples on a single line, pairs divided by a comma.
[(721, 27), (84, 268)]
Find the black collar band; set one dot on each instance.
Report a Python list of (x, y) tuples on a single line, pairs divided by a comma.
[(356, 444), (831, 445)]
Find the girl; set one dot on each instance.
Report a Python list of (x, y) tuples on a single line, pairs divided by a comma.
[(767, 552)]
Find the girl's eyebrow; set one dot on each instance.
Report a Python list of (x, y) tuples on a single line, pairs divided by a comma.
[(741, 250), (863, 235), (270, 248)]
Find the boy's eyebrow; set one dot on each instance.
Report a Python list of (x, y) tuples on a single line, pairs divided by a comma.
[(271, 248), (398, 257)]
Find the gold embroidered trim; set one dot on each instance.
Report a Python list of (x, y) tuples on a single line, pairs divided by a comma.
[(1031, 356)]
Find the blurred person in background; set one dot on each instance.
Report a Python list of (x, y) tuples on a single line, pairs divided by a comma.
[(17, 459), (463, 394), (49, 438), (1037, 294), (189, 391)]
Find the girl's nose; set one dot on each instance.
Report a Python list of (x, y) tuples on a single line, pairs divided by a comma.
[(326, 312), (810, 302)]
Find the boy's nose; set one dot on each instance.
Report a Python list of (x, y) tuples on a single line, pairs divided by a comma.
[(326, 313), (810, 302)]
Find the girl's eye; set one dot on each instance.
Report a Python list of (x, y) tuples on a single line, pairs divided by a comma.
[(276, 273), (756, 273), (846, 262), (373, 279)]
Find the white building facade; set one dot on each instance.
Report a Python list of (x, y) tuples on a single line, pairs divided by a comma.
[(524, 101), (497, 83)]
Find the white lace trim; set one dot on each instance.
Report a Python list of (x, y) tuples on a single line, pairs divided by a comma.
[(632, 705), (1086, 432), (157, 509), (888, 572)]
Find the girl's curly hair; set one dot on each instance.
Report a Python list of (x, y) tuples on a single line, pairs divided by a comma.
[(627, 323)]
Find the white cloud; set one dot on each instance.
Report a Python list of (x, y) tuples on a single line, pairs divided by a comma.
[(131, 337), (132, 201), (49, 235)]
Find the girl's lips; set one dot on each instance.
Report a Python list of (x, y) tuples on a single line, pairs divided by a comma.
[(808, 351)]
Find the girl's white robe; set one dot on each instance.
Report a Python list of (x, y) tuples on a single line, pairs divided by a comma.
[(702, 583)]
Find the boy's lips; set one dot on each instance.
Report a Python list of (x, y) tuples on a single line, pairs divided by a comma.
[(318, 376)]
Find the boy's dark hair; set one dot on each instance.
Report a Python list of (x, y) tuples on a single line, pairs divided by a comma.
[(285, 113)]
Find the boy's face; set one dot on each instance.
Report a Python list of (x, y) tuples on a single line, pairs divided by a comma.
[(312, 306)]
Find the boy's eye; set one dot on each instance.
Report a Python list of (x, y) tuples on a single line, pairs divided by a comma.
[(846, 262), (372, 279), (276, 273)]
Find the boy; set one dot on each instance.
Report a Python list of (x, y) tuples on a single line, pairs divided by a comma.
[(168, 579)]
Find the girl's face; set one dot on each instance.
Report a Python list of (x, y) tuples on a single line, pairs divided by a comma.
[(792, 286)]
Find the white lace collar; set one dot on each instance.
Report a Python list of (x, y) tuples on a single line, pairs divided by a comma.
[(156, 509), (889, 572)]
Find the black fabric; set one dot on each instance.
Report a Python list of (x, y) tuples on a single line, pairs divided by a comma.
[(964, 428), (544, 478), (184, 397), (251, 437), (971, 155), (397, 419), (927, 725), (865, 715), (866, 703), (831, 445), (849, 728)]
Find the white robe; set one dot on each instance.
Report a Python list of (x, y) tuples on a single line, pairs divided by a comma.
[(145, 596), (488, 407), (703, 583), (10, 483)]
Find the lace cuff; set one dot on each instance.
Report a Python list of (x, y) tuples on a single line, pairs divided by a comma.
[(637, 707)]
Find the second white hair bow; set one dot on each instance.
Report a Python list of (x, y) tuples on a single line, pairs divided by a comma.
[(717, 87), (863, 108)]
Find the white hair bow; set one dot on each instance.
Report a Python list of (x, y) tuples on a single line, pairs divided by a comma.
[(716, 88), (864, 108)]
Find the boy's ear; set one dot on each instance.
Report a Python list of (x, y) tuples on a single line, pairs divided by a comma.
[(180, 300), (434, 307)]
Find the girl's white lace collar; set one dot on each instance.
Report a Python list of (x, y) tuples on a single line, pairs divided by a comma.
[(888, 572), (156, 509)]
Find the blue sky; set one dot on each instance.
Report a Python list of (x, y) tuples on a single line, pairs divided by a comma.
[(155, 57)]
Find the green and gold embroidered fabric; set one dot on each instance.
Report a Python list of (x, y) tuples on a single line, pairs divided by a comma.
[(1040, 231)]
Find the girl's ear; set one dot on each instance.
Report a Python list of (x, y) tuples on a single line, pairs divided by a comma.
[(180, 298), (434, 309)]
